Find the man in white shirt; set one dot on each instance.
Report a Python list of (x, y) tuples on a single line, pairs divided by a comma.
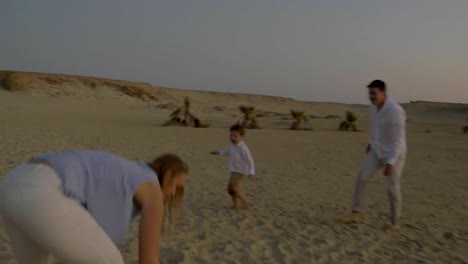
[(386, 149)]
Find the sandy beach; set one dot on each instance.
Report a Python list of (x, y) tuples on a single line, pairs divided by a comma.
[(305, 178)]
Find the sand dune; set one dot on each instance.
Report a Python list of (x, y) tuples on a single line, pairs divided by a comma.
[(305, 177)]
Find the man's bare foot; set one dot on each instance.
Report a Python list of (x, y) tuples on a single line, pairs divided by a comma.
[(354, 218)]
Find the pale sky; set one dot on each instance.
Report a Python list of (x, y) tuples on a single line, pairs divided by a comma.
[(325, 50)]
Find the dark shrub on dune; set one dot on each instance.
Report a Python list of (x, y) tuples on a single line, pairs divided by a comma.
[(300, 120), (249, 120), (182, 116), (349, 123)]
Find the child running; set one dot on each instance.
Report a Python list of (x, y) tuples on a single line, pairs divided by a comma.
[(241, 165), (77, 205)]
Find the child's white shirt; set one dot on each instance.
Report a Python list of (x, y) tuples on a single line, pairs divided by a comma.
[(240, 159)]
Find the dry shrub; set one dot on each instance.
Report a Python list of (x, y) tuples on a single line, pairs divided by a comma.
[(138, 93), (465, 128), (109, 84), (55, 80), (349, 123), (346, 126), (300, 120), (8, 81), (17, 81), (249, 117), (89, 83), (182, 116)]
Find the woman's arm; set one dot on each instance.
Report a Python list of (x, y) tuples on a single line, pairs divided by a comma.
[(150, 200)]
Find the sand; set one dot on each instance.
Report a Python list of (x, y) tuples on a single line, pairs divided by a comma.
[(305, 178)]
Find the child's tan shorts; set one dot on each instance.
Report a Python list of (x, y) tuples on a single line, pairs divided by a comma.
[(235, 182)]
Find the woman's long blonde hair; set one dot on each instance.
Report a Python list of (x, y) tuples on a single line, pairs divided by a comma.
[(171, 165)]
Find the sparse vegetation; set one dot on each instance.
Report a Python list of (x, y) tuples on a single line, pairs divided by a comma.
[(300, 120), (465, 128), (349, 123), (8, 82), (249, 120), (138, 93), (56, 80), (89, 83), (182, 116)]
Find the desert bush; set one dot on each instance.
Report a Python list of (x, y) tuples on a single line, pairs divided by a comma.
[(349, 122), (249, 120), (182, 116), (300, 120)]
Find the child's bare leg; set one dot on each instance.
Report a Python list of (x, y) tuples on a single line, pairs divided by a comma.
[(243, 198), (235, 183), (235, 202)]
